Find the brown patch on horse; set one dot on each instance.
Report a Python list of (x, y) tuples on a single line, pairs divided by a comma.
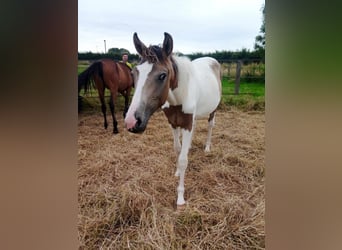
[(211, 116), (177, 118)]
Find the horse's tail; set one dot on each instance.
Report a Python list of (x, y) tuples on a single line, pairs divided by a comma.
[(86, 78)]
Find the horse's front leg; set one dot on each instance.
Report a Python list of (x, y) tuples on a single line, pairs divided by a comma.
[(182, 164), (126, 96), (176, 144), (112, 110)]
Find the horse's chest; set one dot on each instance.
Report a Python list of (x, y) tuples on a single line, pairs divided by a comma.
[(177, 118)]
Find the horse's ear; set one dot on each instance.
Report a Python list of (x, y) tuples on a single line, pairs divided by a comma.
[(167, 44), (139, 45)]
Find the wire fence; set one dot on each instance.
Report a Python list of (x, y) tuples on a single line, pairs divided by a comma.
[(234, 71), (248, 70)]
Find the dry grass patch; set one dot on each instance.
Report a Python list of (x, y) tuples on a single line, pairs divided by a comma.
[(127, 187)]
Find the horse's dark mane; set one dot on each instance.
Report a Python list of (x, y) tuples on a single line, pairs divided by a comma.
[(175, 70)]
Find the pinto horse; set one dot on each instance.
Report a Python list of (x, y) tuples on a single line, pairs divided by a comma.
[(106, 73), (184, 89)]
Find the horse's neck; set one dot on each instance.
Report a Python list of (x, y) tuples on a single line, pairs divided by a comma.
[(179, 94)]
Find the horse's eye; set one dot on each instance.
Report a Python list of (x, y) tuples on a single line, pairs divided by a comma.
[(162, 77)]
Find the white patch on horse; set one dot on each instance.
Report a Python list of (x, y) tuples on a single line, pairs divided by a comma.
[(165, 105), (198, 88), (143, 69)]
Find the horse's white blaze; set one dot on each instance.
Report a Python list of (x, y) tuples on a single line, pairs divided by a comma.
[(143, 69)]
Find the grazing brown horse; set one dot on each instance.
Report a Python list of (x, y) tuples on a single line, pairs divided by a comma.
[(106, 73)]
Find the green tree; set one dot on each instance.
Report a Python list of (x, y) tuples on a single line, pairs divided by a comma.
[(260, 41), (117, 51)]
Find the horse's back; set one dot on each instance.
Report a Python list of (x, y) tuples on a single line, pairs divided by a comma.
[(207, 84), (118, 75)]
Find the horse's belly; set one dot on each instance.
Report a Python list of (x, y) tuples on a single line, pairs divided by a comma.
[(208, 101), (204, 102), (206, 108)]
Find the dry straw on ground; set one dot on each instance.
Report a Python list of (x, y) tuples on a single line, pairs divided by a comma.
[(127, 187)]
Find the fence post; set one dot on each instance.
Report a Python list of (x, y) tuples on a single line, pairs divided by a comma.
[(237, 77), (229, 65)]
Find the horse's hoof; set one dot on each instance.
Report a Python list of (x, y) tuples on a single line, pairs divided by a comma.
[(181, 207), (115, 131)]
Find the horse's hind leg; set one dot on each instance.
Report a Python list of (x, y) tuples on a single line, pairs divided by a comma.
[(80, 103), (112, 110), (103, 108), (211, 123)]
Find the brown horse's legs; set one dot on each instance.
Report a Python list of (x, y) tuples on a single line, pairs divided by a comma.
[(126, 96), (103, 107), (112, 110)]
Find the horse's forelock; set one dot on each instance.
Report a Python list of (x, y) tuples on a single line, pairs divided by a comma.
[(154, 54)]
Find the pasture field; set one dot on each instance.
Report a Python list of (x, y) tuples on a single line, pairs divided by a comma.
[(127, 188), (251, 96)]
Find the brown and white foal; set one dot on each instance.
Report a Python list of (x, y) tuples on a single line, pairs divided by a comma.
[(184, 89)]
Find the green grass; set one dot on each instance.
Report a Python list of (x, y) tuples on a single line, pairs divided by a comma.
[(251, 95), (81, 68), (246, 88)]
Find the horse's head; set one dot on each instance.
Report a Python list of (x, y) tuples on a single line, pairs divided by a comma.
[(153, 77)]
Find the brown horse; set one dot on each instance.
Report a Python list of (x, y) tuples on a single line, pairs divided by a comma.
[(115, 76)]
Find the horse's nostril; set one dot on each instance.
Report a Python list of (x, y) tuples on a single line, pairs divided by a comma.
[(138, 121)]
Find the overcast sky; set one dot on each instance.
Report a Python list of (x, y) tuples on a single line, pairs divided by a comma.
[(195, 25)]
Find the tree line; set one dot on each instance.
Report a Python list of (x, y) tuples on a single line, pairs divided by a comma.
[(116, 54)]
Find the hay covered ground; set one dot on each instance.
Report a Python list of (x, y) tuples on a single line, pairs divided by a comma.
[(127, 187)]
